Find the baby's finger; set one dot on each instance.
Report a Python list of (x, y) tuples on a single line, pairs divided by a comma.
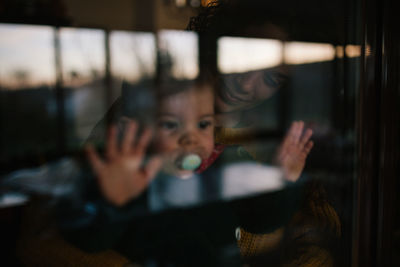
[(143, 141), (95, 161), (308, 147), (287, 142), (298, 131), (152, 167), (306, 137), (111, 148), (289, 136), (129, 137)]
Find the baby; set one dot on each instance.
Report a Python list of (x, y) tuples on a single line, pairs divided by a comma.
[(183, 138)]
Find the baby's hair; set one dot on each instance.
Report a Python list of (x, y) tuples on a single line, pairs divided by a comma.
[(173, 86)]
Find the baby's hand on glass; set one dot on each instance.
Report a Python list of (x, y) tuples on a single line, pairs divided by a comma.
[(122, 175), (293, 152)]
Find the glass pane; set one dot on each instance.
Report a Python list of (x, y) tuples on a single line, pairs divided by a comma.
[(252, 67), (83, 71), (245, 54), (133, 56), (301, 53), (178, 53), (229, 144), (28, 107)]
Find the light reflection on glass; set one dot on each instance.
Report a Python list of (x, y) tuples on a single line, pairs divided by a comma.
[(27, 100), (83, 55), (351, 51), (236, 54), (180, 3), (26, 56), (302, 53), (259, 178), (179, 53), (133, 55), (83, 68), (339, 51)]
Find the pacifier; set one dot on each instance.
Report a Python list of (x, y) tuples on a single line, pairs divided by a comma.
[(189, 162)]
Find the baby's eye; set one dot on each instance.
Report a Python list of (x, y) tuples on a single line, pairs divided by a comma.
[(168, 125), (204, 124)]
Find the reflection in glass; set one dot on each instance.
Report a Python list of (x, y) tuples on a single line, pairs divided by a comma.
[(245, 54), (351, 51), (26, 56), (234, 186), (301, 53), (133, 55), (83, 69), (83, 57), (180, 3), (253, 181), (27, 101), (178, 54)]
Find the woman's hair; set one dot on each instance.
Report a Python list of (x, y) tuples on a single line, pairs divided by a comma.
[(206, 17), (239, 18)]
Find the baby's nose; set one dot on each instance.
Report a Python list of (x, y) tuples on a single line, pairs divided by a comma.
[(188, 138)]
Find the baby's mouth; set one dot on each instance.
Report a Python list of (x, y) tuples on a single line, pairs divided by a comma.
[(188, 161)]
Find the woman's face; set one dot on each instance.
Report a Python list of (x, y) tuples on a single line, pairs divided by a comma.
[(246, 90)]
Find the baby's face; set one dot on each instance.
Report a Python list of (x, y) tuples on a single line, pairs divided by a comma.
[(185, 125)]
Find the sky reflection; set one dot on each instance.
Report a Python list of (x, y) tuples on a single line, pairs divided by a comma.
[(26, 56)]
